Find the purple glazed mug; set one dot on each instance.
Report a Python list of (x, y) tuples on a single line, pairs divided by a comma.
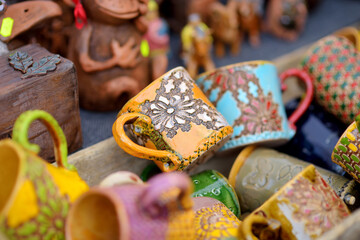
[(161, 209)]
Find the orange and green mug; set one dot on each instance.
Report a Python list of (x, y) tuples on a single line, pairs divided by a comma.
[(35, 196), (174, 122)]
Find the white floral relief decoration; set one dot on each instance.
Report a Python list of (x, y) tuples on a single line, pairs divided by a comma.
[(175, 107)]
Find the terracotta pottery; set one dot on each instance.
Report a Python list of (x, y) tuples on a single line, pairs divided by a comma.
[(248, 94), (106, 52), (306, 207), (249, 18), (213, 220), (346, 152), (286, 18), (164, 116), (161, 209), (196, 45), (334, 64), (225, 27), (120, 178), (258, 173), (211, 183), (35, 195), (158, 40)]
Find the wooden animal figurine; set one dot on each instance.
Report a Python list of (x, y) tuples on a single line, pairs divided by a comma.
[(249, 20), (158, 40), (286, 18), (196, 42), (106, 52), (225, 27)]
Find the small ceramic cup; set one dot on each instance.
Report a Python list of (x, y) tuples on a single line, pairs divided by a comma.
[(120, 178), (258, 173), (35, 195), (211, 183), (334, 65), (352, 34), (305, 208), (248, 94), (175, 122), (347, 150), (160, 209), (213, 220)]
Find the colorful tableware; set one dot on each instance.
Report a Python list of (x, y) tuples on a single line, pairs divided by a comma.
[(160, 209), (334, 64), (248, 94), (258, 173), (316, 135), (306, 207), (346, 152), (213, 220), (211, 183), (35, 196), (165, 116)]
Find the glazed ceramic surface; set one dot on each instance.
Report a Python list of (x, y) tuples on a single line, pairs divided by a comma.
[(306, 207), (258, 173), (165, 116), (213, 220), (249, 96), (346, 152), (334, 64), (316, 135), (120, 178), (211, 183), (35, 195), (161, 209)]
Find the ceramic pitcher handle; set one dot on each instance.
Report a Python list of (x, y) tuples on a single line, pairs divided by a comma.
[(20, 135), (271, 227), (167, 188), (136, 150), (302, 75)]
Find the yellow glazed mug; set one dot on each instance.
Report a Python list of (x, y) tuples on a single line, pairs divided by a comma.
[(174, 122), (35, 195), (305, 208)]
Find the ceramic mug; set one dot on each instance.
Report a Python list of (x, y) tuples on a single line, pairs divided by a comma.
[(160, 209), (317, 133), (248, 94), (352, 34), (213, 220), (346, 153), (211, 183), (334, 65), (35, 195), (165, 116), (258, 173), (306, 207)]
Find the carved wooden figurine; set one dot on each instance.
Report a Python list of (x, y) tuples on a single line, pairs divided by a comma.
[(286, 18), (225, 26), (107, 55), (158, 39), (196, 42), (249, 20)]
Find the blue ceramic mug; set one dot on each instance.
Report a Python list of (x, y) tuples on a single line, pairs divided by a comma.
[(249, 96)]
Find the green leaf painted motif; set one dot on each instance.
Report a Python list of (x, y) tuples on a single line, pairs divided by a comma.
[(20, 61), (45, 65)]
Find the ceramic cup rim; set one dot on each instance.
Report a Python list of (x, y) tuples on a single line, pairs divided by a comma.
[(120, 210), (21, 163), (344, 32)]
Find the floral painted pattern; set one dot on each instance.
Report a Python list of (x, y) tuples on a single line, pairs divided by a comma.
[(175, 107), (258, 112), (317, 204)]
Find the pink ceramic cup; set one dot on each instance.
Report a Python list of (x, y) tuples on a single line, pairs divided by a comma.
[(161, 209)]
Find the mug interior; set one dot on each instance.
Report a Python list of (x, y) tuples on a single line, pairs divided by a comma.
[(10, 161), (94, 217)]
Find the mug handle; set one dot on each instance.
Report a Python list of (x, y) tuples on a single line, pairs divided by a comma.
[(165, 189), (246, 227), (300, 110), (139, 151), (20, 135)]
